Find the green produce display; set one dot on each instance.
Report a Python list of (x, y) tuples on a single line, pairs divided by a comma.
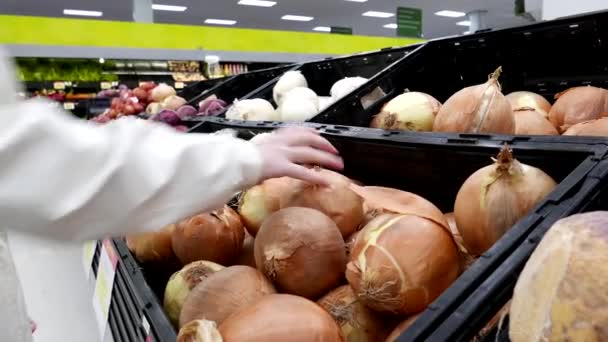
[(49, 69)]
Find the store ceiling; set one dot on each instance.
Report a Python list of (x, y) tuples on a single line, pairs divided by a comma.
[(326, 13)]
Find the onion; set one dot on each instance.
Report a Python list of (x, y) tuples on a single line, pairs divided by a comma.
[(301, 251), (408, 112), (349, 243), (560, 293), (527, 99), (252, 110), (477, 109), (216, 236), (338, 201), (161, 92), (325, 102), (199, 331), (182, 282), (299, 104), (173, 102), (401, 328), (401, 263), (167, 116), (153, 108), (186, 111), (223, 293), (577, 105), (467, 258), (528, 121), (152, 246), (594, 128), (280, 318), (261, 201), (495, 197), (346, 86), (358, 323), (247, 257), (289, 80)]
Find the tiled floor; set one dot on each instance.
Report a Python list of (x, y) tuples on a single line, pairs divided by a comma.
[(58, 296)]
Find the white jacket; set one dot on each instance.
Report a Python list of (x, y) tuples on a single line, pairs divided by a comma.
[(67, 179)]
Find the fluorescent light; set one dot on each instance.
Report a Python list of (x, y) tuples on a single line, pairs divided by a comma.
[(356, 0), (450, 14), (297, 18), (82, 13), (390, 26), (169, 8), (102, 60), (377, 14), (259, 3), (466, 32), (220, 22), (322, 29), (464, 23)]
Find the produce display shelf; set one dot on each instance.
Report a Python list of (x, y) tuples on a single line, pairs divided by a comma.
[(418, 163), (193, 90), (546, 58)]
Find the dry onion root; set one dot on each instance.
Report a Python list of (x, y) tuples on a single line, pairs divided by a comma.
[(358, 323), (467, 258), (412, 111), (577, 105), (594, 128), (477, 109), (199, 331), (302, 251), (495, 197)]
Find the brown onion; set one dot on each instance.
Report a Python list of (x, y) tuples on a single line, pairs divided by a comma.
[(246, 257), (302, 251), (216, 236), (281, 318), (594, 128), (223, 293), (261, 201), (531, 122), (527, 99), (560, 294), (337, 201), (358, 323), (412, 111), (495, 197), (182, 282), (477, 109), (199, 331), (152, 246), (401, 328), (467, 258), (577, 105), (401, 263), (349, 243)]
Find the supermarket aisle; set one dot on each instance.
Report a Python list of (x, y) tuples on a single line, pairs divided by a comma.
[(57, 296)]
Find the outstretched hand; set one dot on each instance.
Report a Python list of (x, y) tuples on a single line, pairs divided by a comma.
[(291, 151)]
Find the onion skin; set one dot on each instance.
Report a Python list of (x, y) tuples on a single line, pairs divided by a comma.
[(247, 258), (199, 331), (531, 122), (495, 197), (223, 293), (401, 328), (182, 282), (577, 105), (349, 243), (594, 128), (560, 294), (401, 263), (358, 323), (411, 111), (338, 201), (281, 318), (217, 236), (527, 99), (302, 251), (153, 246), (467, 258), (477, 109)]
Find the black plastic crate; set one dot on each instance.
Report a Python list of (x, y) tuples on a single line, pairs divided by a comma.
[(545, 58), (193, 90)]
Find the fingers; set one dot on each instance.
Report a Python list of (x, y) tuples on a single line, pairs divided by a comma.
[(307, 175), (311, 156), (306, 137)]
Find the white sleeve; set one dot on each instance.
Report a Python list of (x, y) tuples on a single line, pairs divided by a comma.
[(68, 179)]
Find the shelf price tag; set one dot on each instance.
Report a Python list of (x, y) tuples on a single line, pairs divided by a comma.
[(102, 296), (115, 84), (58, 85), (88, 252), (69, 105), (179, 85), (105, 85)]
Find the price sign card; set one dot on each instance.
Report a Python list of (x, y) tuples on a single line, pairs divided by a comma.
[(104, 284), (88, 252)]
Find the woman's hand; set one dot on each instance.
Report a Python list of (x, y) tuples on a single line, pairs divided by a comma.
[(291, 151)]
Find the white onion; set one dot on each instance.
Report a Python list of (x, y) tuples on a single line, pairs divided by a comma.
[(325, 102), (289, 80), (345, 86), (299, 104), (252, 110)]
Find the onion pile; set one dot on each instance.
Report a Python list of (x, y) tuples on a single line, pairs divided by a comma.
[(477, 109), (401, 263), (182, 282), (299, 104), (411, 111), (152, 246), (216, 236), (495, 197), (302, 251), (577, 105), (594, 128), (223, 293), (358, 323), (560, 294), (278, 318)]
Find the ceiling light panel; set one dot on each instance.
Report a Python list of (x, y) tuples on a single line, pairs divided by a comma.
[(169, 8), (464, 23), (82, 13), (322, 29), (377, 14), (297, 18), (450, 14), (356, 0), (220, 22), (258, 3), (390, 26)]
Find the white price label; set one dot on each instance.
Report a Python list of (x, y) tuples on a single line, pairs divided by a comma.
[(59, 85), (179, 85), (69, 105), (105, 85), (115, 84), (102, 297), (88, 252)]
